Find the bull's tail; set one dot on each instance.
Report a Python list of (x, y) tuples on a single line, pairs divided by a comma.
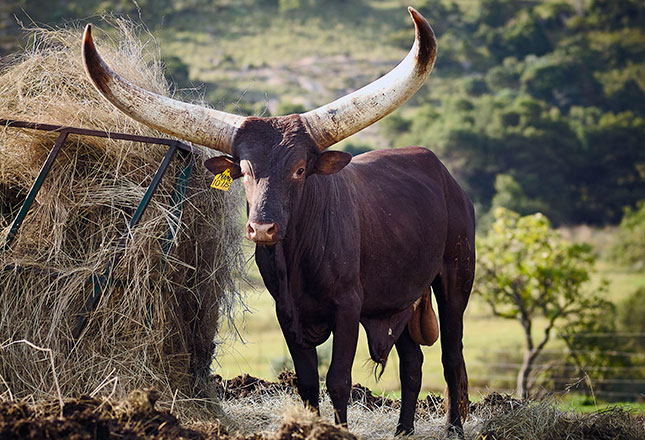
[(379, 369), (464, 401)]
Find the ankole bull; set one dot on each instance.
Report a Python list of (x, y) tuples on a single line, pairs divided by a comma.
[(341, 241)]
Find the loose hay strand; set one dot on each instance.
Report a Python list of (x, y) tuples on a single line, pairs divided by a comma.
[(156, 322), (51, 361)]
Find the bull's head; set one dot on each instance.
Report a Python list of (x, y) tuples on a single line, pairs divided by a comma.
[(275, 155)]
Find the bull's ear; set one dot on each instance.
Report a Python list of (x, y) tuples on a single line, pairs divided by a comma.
[(331, 162), (219, 164)]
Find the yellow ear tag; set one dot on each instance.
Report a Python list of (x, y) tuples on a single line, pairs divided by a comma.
[(222, 180)]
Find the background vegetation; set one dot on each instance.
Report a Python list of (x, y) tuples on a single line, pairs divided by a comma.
[(535, 106)]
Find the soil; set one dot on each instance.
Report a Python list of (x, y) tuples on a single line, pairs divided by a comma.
[(497, 403), (87, 418), (246, 386), (136, 418)]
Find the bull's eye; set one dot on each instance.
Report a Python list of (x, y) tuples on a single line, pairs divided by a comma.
[(298, 174)]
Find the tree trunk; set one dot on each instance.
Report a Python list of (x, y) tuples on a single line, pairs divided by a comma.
[(524, 373), (529, 356)]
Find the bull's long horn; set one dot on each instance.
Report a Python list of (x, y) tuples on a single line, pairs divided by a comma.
[(347, 115), (204, 126)]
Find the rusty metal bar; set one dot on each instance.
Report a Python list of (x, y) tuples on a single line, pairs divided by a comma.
[(176, 207), (97, 133), (64, 132)]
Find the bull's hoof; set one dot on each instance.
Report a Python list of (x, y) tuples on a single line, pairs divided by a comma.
[(402, 430)]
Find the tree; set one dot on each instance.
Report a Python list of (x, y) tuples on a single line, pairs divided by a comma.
[(526, 271), (615, 14), (608, 173), (607, 348), (495, 13), (630, 244)]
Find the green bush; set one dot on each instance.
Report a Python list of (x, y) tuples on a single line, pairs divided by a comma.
[(630, 244), (607, 347)]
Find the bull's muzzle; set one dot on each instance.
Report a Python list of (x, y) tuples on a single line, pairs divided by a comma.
[(262, 233)]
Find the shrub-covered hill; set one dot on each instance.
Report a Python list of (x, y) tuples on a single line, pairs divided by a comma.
[(549, 95)]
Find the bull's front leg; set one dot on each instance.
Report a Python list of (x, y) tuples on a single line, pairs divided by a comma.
[(339, 376), (305, 361)]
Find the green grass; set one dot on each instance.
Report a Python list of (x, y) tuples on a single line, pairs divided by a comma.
[(623, 282), (487, 341), (587, 405)]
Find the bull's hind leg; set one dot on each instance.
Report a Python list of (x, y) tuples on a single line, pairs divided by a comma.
[(411, 359), (452, 289)]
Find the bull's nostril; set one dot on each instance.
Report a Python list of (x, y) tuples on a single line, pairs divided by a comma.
[(261, 232)]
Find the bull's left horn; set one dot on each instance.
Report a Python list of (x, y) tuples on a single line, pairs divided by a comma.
[(334, 122), (204, 126)]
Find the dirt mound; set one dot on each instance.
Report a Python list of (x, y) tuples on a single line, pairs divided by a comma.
[(136, 418), (296, 429), (89, 418), (363, 395), (246, 385), (497, 403), (432, 404)]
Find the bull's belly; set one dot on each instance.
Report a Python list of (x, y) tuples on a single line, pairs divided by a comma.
[(392, 293), (388, 307)]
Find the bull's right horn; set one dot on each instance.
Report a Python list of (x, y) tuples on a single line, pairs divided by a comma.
[(201, 125), (334, 122)]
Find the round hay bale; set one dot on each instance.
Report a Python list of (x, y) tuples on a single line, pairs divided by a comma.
[(157, 319)]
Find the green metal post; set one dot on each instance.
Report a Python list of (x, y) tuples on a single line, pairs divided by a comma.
[(100, 281), (31, 196), (178, 197)]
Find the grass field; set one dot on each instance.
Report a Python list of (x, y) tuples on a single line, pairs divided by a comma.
[(247, 56), (490, 344)]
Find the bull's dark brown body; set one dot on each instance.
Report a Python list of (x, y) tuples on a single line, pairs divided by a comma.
[(362, 245)]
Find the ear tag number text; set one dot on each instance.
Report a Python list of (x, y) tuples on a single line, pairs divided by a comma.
[(223, 180)]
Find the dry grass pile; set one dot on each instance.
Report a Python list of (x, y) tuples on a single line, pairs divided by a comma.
[(544, 421), (276, 409), (271, 409), (277, 414), (156, 322)]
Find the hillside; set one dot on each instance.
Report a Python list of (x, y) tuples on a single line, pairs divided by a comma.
[(548, 93)]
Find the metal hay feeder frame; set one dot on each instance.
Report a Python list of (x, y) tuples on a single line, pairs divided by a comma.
[(99, 281)]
